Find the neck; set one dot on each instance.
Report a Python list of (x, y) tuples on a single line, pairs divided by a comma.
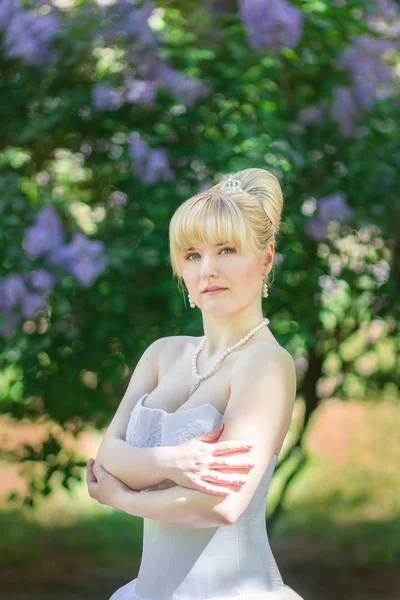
[(223, 332)]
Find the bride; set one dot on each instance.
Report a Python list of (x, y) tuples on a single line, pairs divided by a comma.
[(195, 440)]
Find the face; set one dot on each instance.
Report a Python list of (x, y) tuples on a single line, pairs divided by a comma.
[(222, 265)]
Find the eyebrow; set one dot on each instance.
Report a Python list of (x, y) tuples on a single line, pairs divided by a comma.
[(215, 245)]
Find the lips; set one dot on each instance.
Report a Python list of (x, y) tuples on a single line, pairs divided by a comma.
[(216, 289)]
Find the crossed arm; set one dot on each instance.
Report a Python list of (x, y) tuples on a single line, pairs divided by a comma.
[(181, 506), (175, 504), (260, 408)]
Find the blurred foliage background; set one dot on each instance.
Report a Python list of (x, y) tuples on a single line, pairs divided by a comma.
[(112, 114)]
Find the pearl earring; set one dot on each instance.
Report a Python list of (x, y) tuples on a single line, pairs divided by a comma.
[(192, 304), (264, 288)]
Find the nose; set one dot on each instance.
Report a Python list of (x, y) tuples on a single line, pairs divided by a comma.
[(208, 267)]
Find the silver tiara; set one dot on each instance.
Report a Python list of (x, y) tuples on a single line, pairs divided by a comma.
[(232, 184)]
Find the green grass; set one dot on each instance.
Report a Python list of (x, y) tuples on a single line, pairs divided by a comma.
[(108, 538)]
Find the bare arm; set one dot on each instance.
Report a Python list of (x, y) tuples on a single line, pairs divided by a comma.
[(138, 468), (189, 508)]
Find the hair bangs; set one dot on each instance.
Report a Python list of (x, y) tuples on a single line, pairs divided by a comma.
[(208, 219)]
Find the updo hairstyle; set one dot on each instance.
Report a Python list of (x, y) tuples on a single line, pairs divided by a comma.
[(248, 220)]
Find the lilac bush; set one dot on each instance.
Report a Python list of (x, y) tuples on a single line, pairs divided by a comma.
[(275, 24), (142, 92), (23, 296), (150, 165), (330, 208), (131, 22), (82, 257), (42, 280), (17, 301), (115, 113), (28, 35), (104, 97), (45, 235), (364, 60), (343, 109)]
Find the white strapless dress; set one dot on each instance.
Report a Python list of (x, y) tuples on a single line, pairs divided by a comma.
[(232, 562)]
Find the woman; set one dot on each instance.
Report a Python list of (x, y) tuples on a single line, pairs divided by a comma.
[(202, 493)]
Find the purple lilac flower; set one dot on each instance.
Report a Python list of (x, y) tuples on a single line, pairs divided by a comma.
[(2, 297), (141, 92), (86, 270), (45, 235), (365, 64), (31, 304), (132, 21), (387, 8), (146, 70), (140, 152), (42, 280), (14, 294), (104, 97), (343, 109), (332, 207), (158, 167), (316, 229), (384, 18), (81, 257), (29, 36), (149, 165), (13, 290), (274, 24), (8, 10), (10, 324), (184, 89)]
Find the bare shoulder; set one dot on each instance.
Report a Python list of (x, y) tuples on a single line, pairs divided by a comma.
[(268, 350), (265, 357), (167, 348), (173, 342)]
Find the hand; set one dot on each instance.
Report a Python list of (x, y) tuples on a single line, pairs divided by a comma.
[(102, 486), (200, 464)]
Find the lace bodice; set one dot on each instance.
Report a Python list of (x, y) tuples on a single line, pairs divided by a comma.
[(156, 427)]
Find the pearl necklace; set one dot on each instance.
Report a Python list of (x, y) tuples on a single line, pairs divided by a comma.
[(215, 366)]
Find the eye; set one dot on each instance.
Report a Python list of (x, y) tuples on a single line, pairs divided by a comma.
[(189, 256)]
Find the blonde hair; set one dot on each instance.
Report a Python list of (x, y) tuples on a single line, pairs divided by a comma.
[(249, 220)]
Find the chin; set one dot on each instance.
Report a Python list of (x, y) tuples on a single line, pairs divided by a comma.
[(222, 311)]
